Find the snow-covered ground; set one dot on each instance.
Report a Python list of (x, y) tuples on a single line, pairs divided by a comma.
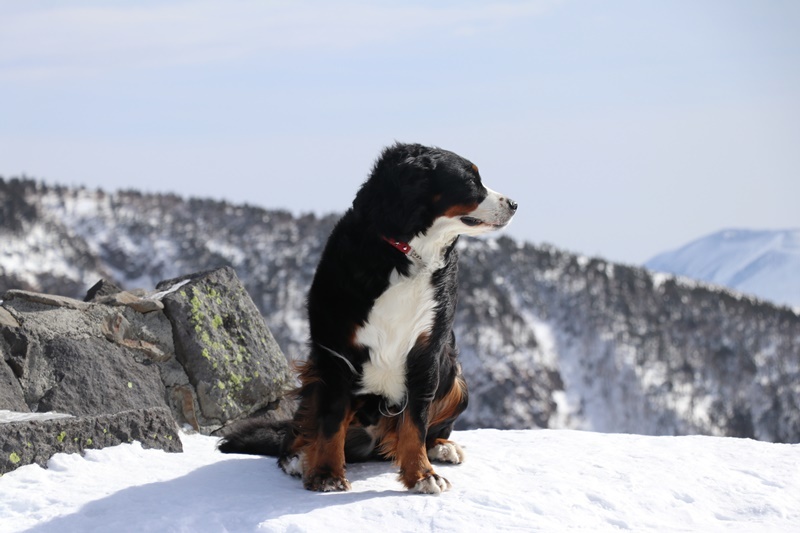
[(547, 480)]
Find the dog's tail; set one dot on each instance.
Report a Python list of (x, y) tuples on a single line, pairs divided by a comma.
[(256, 437)]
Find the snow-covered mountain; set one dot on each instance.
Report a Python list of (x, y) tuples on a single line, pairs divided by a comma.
[(548, 338), (765, 263)]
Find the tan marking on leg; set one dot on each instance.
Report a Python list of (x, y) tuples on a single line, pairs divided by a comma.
[(324, 463), (411, 455), (448, 406)]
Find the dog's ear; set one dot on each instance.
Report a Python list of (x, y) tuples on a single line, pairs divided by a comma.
[(396, 199)]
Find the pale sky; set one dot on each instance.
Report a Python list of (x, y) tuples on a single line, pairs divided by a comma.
[(622, 128)]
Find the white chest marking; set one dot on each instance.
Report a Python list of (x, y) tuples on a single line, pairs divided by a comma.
[(399, 316)]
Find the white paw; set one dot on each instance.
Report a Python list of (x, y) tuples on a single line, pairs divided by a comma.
[(293, 465), (432, 484), (448, 452)]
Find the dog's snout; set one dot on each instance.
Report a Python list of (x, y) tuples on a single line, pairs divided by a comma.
[(512, 205)]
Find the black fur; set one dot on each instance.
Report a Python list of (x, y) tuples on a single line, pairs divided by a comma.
[(256, 437)]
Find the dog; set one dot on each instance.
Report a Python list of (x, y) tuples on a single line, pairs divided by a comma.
[(382, 378)]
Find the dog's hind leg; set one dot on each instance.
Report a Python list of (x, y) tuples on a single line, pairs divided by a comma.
[(446, 451)]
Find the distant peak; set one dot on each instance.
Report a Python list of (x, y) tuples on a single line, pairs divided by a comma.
[(760, 262)]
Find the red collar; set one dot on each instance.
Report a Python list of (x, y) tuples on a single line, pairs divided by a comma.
[(406, 249), (402, 246)]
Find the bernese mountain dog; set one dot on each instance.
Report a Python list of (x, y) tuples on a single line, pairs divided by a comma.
[(382, 380)]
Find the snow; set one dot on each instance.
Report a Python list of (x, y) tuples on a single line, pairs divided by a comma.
[(16, 416), (160, 295), (547, 480), (37, 252), (764, 263)]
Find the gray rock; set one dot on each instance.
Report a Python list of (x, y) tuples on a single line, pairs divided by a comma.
[(11, 395), (7, 319), (45, 299), (223, 343), (36, 441), (117, 353), (100, 289), (66, 358), (105, 292), (137, 303)]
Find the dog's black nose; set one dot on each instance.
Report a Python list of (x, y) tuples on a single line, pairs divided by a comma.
[(512, 205)]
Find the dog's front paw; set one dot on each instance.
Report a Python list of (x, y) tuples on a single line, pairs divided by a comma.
[(326, 483), (432, 484), (447, 451)]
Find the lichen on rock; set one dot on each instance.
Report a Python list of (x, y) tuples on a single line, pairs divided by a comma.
[(221, 339)]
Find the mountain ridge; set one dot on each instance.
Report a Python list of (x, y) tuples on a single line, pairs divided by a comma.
[(548, 338), (763, 263)]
